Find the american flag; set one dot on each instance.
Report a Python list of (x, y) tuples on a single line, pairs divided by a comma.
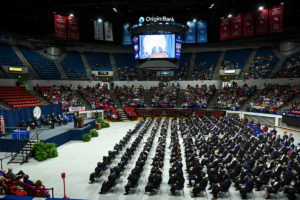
[(2, 124)]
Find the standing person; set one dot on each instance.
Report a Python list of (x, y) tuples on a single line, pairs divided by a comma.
[(75, 120)]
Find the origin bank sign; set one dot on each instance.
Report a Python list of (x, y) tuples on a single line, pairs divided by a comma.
[(156, 19)]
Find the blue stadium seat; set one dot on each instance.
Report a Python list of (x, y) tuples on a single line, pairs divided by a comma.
[(43, 66), (98, 61), (73, 66), (8, 56), (126, 65), (206, 63)]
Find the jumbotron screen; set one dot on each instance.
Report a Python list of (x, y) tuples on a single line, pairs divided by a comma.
[(166, 46)]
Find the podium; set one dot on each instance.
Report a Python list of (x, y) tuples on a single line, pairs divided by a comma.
[(98, 126), (80, 121)]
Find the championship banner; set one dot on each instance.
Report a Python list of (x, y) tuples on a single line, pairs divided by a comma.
[(76, 109), (73, 28), (262, 22), (201, 31), (248, 25), (225, 29), (60, 26), (236, 27), (108, 31), (126, 35), (276, 19), (190, 36), (98, 26)]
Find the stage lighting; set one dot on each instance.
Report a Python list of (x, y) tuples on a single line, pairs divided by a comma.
[(115, 9), (282, 3), (230, 15), (71, 15), (194, 20), (99, 20), (260, 8), (211, 6)]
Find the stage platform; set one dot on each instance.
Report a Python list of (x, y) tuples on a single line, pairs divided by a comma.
[(59, 135)]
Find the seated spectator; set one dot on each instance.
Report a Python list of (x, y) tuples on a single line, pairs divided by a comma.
[(17, 176), (203, 72), (127, 74), (42, 192), (131, 96), (27, 181), (291, 69), (227, 64)]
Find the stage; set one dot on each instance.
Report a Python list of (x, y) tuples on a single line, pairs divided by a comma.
[(59, 135)]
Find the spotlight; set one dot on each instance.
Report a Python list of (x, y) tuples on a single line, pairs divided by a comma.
[(260, 8), (115, 9), (71, 15), (282, 3), (230, 15), (194, 20), (99, 20), (211, 6)]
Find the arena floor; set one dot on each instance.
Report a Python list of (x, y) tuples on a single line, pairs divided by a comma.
[(78, 160)]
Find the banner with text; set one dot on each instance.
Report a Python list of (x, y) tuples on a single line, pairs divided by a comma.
[(60, 26), (225, 29), (126, 35), (190, 36), (236, 27), (108, 30), (98, 26), (276, 19), (201, 31), (248, 25), (262, 22), (73, 28)]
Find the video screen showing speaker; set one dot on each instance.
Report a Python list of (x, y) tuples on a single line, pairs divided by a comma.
[(157, 46)]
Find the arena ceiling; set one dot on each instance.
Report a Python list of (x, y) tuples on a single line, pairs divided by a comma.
[(35, 17)]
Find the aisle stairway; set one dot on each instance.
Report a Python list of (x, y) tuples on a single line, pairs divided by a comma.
[(147, 98), (216, 75), (180, 98), (278, 66), (192, 67), (247, 64), (39, 97), (114, 67), (79, 97), (116, 101), (213, 100), (251, 99), (87, 66)]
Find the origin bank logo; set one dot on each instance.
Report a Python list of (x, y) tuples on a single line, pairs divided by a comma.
[(141, 20)]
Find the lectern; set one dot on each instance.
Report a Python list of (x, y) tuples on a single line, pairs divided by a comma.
[(80, 122)]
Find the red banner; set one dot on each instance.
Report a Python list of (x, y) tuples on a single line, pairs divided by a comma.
[(248, 25), (236, 27), (73, 28), (225, 29), (262, 22), (275, 19), (60, 24)]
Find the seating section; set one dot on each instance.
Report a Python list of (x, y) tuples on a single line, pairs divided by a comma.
[(8, 56), (294, 108), (232, 97), (273, 97), (197, 97), (184, 65), (74, 67), (98, 61), (131, 96), (59, 94), (164, 95), (43, 66), (235, 59), (99, 98), (126, 65), (262, 64), (18, 97), (205, 65), (290, 67)]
